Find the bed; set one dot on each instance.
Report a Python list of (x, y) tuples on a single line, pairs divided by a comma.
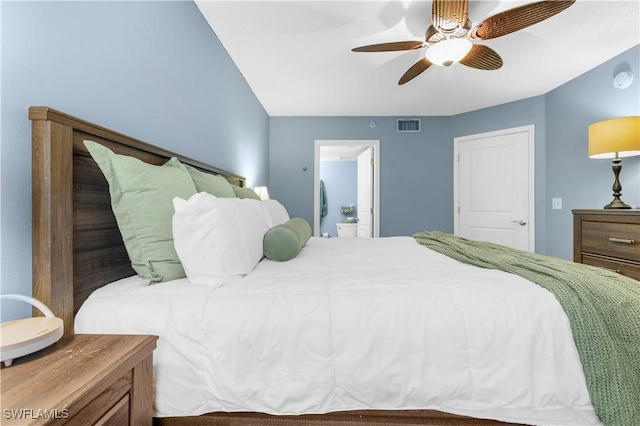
[(79, 259)]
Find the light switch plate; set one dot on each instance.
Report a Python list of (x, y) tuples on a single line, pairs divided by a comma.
[(556, 203)]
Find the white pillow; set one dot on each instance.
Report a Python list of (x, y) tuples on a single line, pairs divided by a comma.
[(218, 239), (277, 213)]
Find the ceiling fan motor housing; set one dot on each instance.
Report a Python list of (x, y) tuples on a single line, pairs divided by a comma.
[(449, 16)]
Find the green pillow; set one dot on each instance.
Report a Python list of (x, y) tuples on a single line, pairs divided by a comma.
[(210, 183), (245, 192), (284, 242), (142, 200)]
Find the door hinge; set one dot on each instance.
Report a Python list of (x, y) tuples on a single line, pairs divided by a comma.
[(372, 162), (458, 209), (458, 157)]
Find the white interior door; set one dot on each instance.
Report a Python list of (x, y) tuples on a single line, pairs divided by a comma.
[(495, 187), (365, 193)]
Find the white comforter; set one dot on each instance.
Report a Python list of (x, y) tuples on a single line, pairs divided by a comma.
[(355, 324)]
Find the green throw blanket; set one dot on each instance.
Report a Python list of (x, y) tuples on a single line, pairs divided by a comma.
[(603, 309)]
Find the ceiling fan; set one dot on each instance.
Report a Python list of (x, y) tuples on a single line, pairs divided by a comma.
[(448, 38)]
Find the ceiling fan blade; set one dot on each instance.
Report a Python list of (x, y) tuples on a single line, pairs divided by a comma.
[(448, 16), (483, 58), (518, 18), (415, 70), (390, 47)]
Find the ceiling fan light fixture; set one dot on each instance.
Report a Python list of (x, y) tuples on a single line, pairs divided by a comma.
[(448, 52)]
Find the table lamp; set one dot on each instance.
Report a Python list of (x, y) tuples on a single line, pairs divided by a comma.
[(615, 138)]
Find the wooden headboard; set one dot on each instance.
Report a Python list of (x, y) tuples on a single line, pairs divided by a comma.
[(77, 246)]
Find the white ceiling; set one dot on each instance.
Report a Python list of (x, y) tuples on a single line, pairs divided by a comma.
[(296, 55)]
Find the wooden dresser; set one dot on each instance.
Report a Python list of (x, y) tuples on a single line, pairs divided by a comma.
[(86, 379), (609, 239)]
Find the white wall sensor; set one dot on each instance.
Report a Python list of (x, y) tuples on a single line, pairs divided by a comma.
[(623, 79)]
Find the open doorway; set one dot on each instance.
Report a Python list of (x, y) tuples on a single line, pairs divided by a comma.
[(352, 197)]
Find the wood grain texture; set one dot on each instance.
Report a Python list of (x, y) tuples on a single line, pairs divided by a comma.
[(344, 418), (621, 240), (118, 415), (82, 376), (77, 246), (95, 410), (609, 239), (52, 220), (142, 395)]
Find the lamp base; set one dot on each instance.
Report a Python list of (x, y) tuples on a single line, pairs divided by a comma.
[(617, 203)]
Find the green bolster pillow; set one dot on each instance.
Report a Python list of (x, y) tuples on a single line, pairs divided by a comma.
[(284, 242)]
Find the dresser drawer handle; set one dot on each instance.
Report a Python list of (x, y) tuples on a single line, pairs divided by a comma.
[(617, 271), (621, 240)]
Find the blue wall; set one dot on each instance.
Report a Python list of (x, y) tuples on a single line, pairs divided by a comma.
[(582, 182), (341, 185), (152, 70), (416, 169)]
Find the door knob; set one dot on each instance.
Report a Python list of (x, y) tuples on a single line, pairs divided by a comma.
[(520, 222)]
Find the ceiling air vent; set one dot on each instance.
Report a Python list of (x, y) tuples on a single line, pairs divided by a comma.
[(408, 125)]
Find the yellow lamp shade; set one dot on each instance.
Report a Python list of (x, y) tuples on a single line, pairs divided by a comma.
[(616, 137)]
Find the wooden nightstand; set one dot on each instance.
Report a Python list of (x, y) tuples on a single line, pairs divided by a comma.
[(87, 379), (609, 239)]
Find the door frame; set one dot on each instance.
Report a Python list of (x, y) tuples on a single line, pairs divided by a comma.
[(530, 130), (375, 144), (365, 163)]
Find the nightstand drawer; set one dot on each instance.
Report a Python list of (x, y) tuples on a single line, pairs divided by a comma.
[(621, 240), (100, 407), (118, 415), (627, 269), (85, 379)]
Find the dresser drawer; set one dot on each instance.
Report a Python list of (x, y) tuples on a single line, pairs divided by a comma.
[(627, 269), (621, 240)]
